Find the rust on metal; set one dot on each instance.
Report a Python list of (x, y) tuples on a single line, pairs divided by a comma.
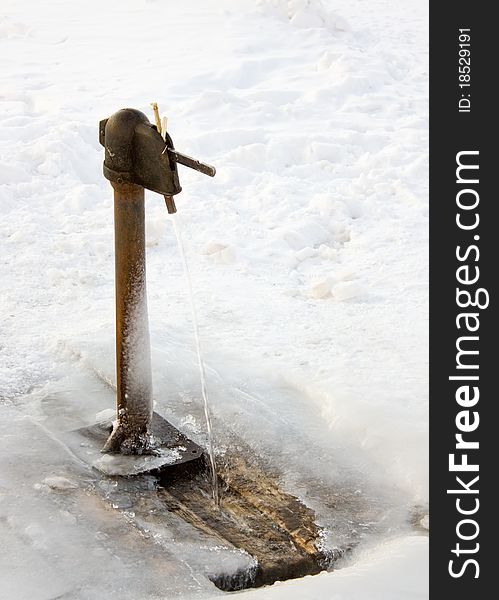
[(135, 153), (175, 450), (133, 361), (170, 205)]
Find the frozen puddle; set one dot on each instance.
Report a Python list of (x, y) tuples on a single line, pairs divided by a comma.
[(61, 540), (262, 533), (275, 534)]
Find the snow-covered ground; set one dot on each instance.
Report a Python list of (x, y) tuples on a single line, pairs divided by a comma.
[(308, 254)]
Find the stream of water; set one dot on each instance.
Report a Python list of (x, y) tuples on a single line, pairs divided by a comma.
[(202, 374)]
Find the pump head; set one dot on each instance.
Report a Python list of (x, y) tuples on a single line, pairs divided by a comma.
[(135, 152)]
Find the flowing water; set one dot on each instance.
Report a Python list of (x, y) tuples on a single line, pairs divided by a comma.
[(202, 374)]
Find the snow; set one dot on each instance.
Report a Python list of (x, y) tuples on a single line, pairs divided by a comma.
[(308, 255), (398, 569)]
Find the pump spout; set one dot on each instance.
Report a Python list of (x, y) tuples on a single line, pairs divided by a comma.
[(192, 163), (170, 205)]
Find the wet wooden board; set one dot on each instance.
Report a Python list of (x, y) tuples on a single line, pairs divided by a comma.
[(255, 515), (276, 529)]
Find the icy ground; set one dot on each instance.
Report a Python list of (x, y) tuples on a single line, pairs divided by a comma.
[(308, 254)]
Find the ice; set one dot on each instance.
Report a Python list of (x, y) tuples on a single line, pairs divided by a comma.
[(56, 482), (113, 464), (65, 542), (315, 115), (106, 415)]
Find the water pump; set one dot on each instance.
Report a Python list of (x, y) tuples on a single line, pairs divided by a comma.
[(138, 157)]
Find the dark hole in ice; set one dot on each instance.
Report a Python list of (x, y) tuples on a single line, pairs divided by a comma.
[(263, 575)]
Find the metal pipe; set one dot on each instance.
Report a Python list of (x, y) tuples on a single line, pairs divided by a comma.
[(131, 433), (136, 157)]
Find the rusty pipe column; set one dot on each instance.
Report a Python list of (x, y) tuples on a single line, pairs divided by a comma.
[(133, 354), (136, 157)]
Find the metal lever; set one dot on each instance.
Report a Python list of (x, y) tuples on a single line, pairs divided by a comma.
[(192, 163), (187, 161)]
